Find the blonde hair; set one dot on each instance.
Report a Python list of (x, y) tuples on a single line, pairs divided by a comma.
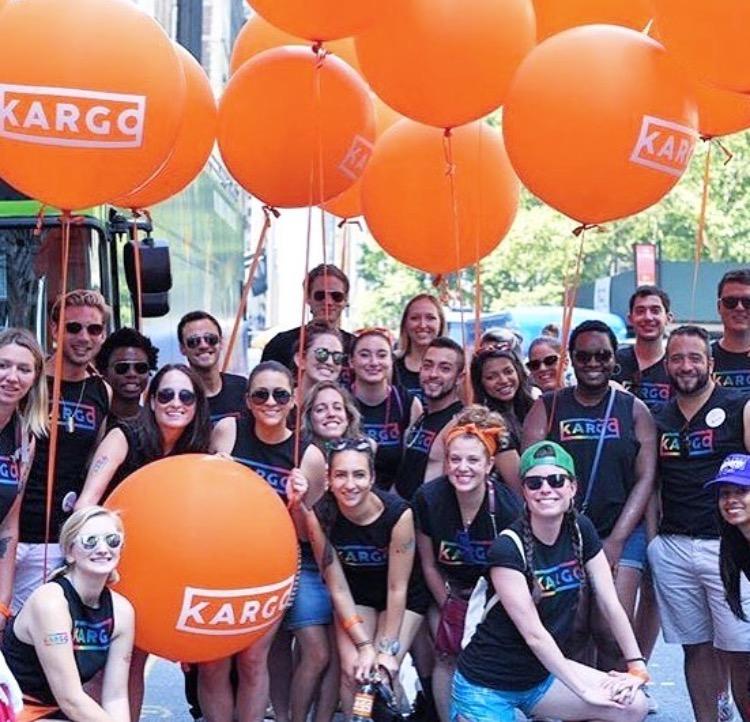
[(72, 528), (404, 342), (81, 297), (33, 408)]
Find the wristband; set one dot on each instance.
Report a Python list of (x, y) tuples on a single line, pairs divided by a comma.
[(355, 619), (359, 645), (5, 611), (635, 659)]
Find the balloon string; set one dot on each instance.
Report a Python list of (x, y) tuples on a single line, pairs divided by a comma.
[(700, 233), (138, 271), (56, 385), (270, 214), (478, 268), (345, 239)]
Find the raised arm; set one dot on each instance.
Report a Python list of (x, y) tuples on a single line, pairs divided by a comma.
[(108, 457)]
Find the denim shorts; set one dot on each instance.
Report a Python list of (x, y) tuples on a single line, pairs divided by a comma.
[(634, 550), (475, 703), (312, 603)]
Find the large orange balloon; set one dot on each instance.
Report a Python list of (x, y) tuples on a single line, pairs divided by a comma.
[(258, 34), (193, 145), (554, 16), (209, 558), (94, 110), (721, 112), (710, 38), (280, 130), (443, 63), (320, 19), (407, 199), (594, 142)]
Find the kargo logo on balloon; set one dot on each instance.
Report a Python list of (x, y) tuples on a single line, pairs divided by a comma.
[(71, 117), (233, 611), (664, 146)]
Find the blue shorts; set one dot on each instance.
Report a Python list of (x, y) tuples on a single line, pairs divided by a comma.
[(475, 703), (312, 603), (634, 550)]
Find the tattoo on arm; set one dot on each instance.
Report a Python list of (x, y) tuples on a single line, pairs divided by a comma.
[(52, 640), (98, 465), (406, 547), (4, 542)]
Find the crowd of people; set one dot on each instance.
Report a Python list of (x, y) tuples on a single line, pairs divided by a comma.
[(521, 520)]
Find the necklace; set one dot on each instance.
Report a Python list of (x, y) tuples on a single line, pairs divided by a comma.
[(70, 422)]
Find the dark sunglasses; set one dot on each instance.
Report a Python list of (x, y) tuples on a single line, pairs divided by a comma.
[(212, 339), (537, 363), (122, 367), (323, 354), (356, 444), (335, 296), (89, 542), (186, 396), (555, 481), (602, 356), (92, 329), (732, 302), (280, 396)]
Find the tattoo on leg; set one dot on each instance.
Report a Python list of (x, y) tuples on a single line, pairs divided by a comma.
[(4, 543)]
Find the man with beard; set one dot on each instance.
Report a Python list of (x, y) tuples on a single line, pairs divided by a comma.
[(439, 376), (731, 353), (696, 430)]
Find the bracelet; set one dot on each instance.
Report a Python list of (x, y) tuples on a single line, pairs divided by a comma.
[(635, 659), (5, 611), (359, 645), (355, 619)]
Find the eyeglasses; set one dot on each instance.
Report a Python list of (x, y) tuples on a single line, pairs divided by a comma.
[(732, 302), (602, 356), (186, 396), (122, 367), (89, 542), (335, 296), (92, 329), (537, 363), (280, 396), (356, 444), (323, 354), (555, 481), (212, 339)]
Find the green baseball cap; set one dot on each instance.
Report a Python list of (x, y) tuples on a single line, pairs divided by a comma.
[(546, 452)]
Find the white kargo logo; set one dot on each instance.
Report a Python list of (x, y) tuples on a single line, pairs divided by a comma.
[(233, 611), (664, 146), (71, 117)]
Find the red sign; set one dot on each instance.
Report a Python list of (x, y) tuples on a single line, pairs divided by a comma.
[(645, 264)]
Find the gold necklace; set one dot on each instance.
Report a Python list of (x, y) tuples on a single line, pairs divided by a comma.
[(70, 422)]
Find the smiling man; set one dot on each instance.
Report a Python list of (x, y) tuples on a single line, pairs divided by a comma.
[(731, 353)]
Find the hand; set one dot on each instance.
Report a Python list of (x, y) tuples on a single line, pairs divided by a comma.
[(623, 687), (224, 455), (389, 662), (599, 696), (365, 663), (613, 552), (296, 486), (10, 692)]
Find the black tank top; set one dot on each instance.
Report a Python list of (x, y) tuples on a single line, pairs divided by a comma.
[(363, 551), (230, 401), (83, 408), (408, 379), (386, 425), (272, 462), (11, 462), (91, 633), (577, 428), (417, 444)]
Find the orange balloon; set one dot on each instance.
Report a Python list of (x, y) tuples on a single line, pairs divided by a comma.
[(554, 16), (721, 112), (193, 145), (709, 38), (198, 563), (594, 142), (280, 131), (319, 19), (439, 63), (258, 34), (88, 116), (409, 206)]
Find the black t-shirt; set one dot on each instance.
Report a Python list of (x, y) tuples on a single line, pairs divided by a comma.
[(577, 428), (83, 408), (408, 379), (498, 656), (460, 553), (386, 425), (690, 454), (731, 369), (651, 385), (11, 462), (230, 401), (91, 633)]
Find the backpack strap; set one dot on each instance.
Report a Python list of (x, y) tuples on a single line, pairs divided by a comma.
[(494, 599)]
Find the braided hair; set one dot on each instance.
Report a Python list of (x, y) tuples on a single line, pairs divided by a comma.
[(734, 560)]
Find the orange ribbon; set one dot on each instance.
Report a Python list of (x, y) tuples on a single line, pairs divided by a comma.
[(488, 436)]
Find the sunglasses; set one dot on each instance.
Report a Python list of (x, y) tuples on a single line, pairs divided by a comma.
[(122, 367), (732, 302), (92, 329), (537, 363), (212, 339), (335, 296), (356, 444), (602, 356), (555, 481), (186, 396), (323, 354), (89, 542), (280, 396)]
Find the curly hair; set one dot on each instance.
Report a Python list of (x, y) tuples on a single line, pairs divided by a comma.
[(126, 338)]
